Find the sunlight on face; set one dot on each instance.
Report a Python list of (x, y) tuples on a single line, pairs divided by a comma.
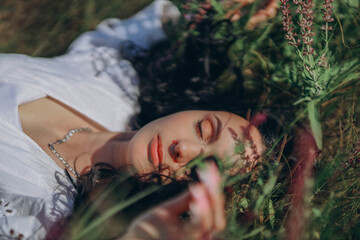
[(174, 140)]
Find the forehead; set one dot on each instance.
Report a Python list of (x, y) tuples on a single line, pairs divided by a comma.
[(201, 113), (226, 117)]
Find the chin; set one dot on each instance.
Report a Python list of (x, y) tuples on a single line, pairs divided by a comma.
[(138, 159)]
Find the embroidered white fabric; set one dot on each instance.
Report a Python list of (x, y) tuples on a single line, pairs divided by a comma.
[(93, 79)]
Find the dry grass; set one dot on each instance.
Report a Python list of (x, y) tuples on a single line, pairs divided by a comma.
[(46, 27)]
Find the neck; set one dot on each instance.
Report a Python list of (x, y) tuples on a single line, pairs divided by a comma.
[(114, 151), (98, 147)]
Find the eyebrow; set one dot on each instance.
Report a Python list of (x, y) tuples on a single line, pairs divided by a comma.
[(218, 129)]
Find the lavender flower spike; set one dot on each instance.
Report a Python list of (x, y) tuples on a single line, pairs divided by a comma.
[(288, 23)]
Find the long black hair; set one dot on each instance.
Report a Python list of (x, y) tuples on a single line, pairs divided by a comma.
[(105, 188)]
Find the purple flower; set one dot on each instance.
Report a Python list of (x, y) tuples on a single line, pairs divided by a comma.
[(327, 15), (288, 23), (305, 9), (328, 11)]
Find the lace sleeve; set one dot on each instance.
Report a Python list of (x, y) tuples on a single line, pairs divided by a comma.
[(144, 29), (14, 224)]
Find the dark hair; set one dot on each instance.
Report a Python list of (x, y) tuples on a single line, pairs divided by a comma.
[(170, 83), (104, 187)]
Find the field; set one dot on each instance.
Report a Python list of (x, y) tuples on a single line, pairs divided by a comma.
[(312, 78)]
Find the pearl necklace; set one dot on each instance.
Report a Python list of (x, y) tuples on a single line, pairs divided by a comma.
[(63, 140)]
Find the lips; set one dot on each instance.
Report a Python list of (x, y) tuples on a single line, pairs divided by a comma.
[(156, 151)]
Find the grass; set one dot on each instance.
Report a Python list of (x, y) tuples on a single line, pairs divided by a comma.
[(46, 28), (260, 67)]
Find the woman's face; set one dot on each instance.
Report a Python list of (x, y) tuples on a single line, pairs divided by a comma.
[(172, 141)]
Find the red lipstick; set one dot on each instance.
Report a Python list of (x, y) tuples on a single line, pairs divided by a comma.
[(156, 151)]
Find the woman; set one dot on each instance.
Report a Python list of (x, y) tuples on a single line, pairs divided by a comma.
[(89, 95)]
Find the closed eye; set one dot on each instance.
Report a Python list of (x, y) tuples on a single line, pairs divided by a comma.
[(204, 129), (197, 128)]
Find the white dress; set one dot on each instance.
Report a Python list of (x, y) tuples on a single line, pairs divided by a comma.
[(93, 79)]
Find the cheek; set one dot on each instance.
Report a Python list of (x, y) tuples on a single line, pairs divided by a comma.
[(228, 143), (137, 153), (223, 149)]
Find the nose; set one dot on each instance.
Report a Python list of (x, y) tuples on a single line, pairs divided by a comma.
[(183, 151)]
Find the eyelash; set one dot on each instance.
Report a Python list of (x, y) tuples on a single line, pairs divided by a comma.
[(197, 127)]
